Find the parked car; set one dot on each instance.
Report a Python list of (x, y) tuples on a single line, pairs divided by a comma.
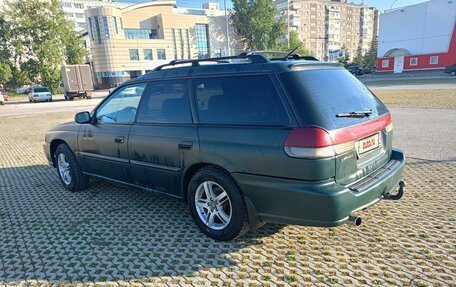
[(370, 70), (4, 95), (356, 70), (39, 94), (242, 143), (451, 70), (22, 90)]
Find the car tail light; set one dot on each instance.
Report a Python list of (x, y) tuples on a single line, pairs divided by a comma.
[(315, 142)]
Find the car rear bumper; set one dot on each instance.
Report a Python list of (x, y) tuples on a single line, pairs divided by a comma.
[(322, 203), (41, 98)]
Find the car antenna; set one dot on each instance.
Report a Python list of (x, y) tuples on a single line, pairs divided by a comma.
[(289, 54)]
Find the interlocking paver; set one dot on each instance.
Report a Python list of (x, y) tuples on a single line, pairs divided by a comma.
[(116, 236)]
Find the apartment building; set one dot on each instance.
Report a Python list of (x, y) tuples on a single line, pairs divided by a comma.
[(128, 42), (75, 9), (327, 26)]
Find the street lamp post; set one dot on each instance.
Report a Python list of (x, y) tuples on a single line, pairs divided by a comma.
[(227, 31)]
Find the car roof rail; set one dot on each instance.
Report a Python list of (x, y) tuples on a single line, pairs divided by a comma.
[(288, 55), (254, 58)]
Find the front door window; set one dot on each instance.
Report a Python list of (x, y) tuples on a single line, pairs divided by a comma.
[(121, 107)]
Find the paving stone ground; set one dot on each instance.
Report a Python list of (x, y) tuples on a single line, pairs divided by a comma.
[(116, 236)]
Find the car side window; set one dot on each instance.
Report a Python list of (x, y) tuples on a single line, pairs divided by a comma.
[(166, 102), (121, 106), (251, 100)]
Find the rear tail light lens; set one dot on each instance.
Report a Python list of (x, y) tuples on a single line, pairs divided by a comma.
[(314, 142), (389, 127)]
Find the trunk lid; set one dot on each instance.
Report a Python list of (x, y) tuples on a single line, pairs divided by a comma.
[(319, 95)]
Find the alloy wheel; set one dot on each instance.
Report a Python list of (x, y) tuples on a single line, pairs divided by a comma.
[(213, 205)]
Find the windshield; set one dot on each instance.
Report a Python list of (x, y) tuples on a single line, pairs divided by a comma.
[(319, 95), (40, 90)]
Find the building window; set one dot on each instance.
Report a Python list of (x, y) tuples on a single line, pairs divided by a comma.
[(105, 26), (202, 43), (114, 21), (385, 63), (91, 29), (434, 60), (131, 33), (78, 5), (97, 30), (134, 55), (67, 5), (70, 14), (80, 15), (161, 54), (148, 54), (413, 61)]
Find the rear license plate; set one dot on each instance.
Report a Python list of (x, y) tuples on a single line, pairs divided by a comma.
[(367, 144)]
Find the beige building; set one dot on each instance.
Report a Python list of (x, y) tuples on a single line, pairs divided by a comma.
[(128, 42), (327, 26)]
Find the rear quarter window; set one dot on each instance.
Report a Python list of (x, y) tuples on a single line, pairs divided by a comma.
[(246, 100), (40, 90), (320, 94)]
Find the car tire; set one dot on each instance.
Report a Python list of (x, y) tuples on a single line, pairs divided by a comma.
[(217, 204), (68, 169), (453, 73)]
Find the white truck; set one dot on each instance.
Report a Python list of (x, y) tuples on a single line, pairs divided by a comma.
[(77, 81)]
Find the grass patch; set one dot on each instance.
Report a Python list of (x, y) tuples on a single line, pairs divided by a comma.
[(443, 99)]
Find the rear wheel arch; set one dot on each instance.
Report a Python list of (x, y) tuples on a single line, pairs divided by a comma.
[(191, 171), (252, 214), (53, 147)]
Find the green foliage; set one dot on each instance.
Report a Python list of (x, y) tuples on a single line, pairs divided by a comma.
[(5, 73), (346, 60), (370, 58), (37, 44), (296, 42), (358, 60), (255, 21)]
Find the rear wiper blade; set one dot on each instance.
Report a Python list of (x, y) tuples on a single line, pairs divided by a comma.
[(360, 114)]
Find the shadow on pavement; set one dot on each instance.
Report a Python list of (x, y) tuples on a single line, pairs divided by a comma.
[(106, 233)]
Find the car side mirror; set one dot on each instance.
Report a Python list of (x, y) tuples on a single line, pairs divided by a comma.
[(82, 118)]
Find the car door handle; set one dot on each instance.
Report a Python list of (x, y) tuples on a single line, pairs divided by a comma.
[(119, 139), (185, 145)]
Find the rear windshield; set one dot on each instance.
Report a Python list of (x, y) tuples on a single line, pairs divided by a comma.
[(40, 90), (319, 95)]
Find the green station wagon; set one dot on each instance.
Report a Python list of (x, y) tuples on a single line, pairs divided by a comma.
[(243, 140)]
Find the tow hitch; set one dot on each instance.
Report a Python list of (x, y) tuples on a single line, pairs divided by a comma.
[(399, 193)]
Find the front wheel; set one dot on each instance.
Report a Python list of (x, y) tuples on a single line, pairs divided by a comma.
[(217, 205), (453, 73), (68, 169)]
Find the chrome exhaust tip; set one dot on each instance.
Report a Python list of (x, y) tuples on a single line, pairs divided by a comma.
[(354, 220)]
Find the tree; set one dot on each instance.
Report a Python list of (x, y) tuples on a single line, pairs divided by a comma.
[(256, 22), (296, 42), (358, 60), (5, 73), (370, 58), (346, 59), (37, 44)]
